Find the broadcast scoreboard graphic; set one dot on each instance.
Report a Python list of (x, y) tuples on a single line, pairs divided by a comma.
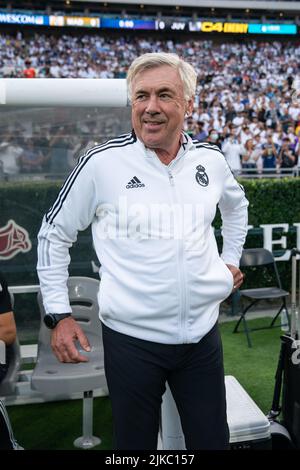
[(236, 27)]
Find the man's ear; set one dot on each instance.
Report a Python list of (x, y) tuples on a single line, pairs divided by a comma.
[(189, 106)]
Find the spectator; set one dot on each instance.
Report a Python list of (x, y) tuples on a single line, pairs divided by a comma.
[(272, 115), (285, 119), (11, 149), (40, 138), (269, 154), (29, 71), (286, 157), (245, 134), (191, 127), (200, 132), (57, 159), (233, 149), (31, 159), (214, 138), (292, 137), (250, 155)]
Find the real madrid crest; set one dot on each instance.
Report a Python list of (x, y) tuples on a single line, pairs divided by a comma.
[(201, 176)]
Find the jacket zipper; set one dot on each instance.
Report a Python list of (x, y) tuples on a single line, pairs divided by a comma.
[(181, 267), (171, 179)]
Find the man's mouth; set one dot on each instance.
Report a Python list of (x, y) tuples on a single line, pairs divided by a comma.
[(152, 124)]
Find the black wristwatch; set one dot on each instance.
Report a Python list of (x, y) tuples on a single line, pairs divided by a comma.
[(51, 319)]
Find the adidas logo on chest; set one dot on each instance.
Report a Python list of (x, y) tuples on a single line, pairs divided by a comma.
[(135, 183)]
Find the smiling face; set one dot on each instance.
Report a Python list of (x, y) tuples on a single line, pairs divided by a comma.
[(159, 107)]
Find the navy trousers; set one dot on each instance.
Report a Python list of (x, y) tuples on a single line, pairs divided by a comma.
[(137, 371)]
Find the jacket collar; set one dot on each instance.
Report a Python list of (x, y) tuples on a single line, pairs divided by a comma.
[(186, 144)]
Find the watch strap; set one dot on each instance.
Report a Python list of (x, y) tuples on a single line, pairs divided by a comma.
[(52, 319)]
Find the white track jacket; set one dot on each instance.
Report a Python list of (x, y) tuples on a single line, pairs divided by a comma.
[(162, 278)]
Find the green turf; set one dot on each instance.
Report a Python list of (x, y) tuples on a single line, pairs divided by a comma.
[(56, 425), (253, 367)]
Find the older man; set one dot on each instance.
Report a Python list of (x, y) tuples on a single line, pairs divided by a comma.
[(151, 197)]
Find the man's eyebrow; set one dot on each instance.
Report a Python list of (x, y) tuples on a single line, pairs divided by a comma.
[(160, 90), (165, 89), (139, 90)]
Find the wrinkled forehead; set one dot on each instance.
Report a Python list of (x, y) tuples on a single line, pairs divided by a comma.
[(157, 78)]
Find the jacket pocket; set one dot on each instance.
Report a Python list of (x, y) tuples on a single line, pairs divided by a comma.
[(228, 276)]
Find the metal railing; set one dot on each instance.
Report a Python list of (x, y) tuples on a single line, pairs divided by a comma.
[(267, 172)]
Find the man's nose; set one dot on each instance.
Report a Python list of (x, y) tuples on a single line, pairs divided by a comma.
[(152, 105)]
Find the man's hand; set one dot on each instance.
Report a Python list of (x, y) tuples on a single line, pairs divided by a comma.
[(238, 276), (64, 335)]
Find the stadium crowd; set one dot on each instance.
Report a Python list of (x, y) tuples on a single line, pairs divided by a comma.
[(247, 102)]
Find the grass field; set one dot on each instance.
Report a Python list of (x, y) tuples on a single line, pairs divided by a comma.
[(56, 425)]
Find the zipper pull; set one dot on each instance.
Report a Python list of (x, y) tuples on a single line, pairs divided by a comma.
[(171, 179)]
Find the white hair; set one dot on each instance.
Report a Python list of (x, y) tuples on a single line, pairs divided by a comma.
[(151, 60)]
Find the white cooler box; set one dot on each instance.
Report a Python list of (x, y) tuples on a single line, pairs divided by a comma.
[(249, 427)]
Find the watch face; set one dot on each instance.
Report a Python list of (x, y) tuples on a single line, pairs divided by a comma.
[(49, 321)]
